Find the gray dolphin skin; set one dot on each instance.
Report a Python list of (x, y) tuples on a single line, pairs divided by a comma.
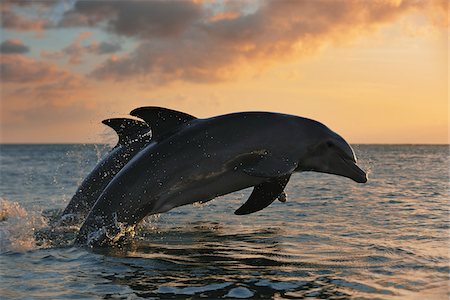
[(196, 160), (133, 135)]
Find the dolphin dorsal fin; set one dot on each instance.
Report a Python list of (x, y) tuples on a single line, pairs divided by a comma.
[(264, 194), (162, 121), (128, 130)]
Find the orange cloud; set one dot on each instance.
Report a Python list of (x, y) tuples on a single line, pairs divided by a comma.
[(208, 50), (35, 92), (45, 83), (11, 20), (201, 41), (20, 69), (227, 15)]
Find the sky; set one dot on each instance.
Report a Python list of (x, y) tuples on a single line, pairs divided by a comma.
[(373, 71)]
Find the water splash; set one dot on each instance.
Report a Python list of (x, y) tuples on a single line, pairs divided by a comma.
[(18, 226)]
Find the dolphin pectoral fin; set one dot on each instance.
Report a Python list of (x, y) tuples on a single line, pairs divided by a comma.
[(269, 166), (162, 121), (127, 129), (263, 195)]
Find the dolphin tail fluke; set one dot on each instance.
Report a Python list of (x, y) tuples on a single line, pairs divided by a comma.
[(263, 195)]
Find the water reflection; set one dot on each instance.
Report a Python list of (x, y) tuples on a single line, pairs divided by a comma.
[(203, 260), (216, 260), (332, 239)]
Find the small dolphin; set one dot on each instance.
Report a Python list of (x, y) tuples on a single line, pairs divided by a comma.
[(133, 135), (200, 159)]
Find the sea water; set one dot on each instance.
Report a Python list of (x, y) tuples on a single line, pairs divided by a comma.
[(333, 238)]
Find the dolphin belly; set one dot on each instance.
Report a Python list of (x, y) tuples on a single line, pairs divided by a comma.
[(205, 190)]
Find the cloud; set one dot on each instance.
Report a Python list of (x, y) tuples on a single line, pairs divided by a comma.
[(207, 48), (47, 113), (20, 69), (35, 91), (13, 46), (104, 48), (39, 82), (135, 18), (76, 50), (37, 95), (203, 41), (12, 20)]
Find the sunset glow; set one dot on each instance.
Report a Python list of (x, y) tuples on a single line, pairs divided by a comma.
[(374, 71)]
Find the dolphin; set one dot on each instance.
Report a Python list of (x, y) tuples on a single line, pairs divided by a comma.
[(196, 160), (133, 135)]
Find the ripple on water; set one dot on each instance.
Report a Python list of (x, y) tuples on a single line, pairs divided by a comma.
[(191, 290), (333, 239)]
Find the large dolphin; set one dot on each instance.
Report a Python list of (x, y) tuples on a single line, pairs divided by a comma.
[(133, 135), (200, 159)]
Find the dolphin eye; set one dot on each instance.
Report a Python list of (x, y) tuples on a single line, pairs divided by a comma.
[(329, 144)]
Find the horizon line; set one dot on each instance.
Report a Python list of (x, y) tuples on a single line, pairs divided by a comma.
[(90, 143)]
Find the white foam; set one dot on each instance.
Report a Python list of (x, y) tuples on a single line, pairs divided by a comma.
[(113, 235), (17, 227)]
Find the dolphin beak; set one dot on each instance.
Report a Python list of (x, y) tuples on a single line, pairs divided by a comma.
[(350, 169)]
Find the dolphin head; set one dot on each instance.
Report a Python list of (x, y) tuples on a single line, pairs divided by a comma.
[(328, 152)]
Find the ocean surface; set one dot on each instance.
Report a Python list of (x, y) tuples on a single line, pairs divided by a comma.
[(333, 238)]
